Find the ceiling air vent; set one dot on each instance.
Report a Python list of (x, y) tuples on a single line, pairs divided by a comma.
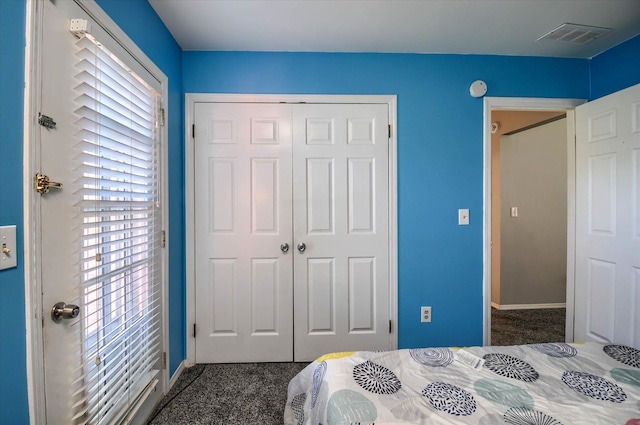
[(573, 33)]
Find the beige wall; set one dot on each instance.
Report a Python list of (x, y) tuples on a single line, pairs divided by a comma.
[(509, 121), (534, 245)]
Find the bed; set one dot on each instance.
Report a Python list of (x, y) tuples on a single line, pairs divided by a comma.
[(550, 384)]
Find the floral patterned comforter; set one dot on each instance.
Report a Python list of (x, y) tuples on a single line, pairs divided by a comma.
[(548, 384)]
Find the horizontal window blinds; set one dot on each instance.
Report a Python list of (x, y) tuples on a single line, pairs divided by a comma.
[(120, 235)]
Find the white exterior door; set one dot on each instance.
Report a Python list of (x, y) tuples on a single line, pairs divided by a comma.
[(56, 212), (607, 289), (243, 216), (274, 174), (340, 180), (81, 386)]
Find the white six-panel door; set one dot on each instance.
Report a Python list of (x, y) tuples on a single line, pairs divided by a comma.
[(243, 215), (340, 181), (274, 174), (607, 288)]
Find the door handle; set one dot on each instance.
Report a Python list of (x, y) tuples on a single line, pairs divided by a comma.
[(64, 311), (301, 247), (284, 247)]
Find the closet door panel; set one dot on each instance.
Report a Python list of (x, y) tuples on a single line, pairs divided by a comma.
[(340, 192), (244, 288)]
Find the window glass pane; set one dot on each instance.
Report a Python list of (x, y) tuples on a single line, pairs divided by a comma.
[(119, 221)]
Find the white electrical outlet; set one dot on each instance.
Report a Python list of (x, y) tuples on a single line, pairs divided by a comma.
[(425, 314)]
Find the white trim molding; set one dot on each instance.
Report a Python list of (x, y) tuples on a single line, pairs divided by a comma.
[(33, 297), (192, 98), (174, 378), (528, 104), (527, 306)]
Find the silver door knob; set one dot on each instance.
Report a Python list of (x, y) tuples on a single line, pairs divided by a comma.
[(284, 247), (64, 311), (301, 247)]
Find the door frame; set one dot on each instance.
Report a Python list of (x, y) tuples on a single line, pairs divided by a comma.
[(190, 101), (31, 201), (530, 104)]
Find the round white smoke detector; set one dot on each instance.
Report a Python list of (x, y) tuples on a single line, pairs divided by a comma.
[(478, 88)]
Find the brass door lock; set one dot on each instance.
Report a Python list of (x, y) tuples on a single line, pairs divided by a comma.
[(43, 184)]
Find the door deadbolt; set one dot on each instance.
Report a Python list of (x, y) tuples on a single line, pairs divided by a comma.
[(64, 311), (43, 184)]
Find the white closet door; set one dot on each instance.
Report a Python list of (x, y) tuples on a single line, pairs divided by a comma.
[(607, 294), (243, 215), (340, 184)]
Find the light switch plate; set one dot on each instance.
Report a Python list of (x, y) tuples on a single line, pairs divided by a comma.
[(463, 217), (8, 250)]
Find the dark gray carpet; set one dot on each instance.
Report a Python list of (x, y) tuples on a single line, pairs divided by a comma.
[(516, 327), (248, 393)]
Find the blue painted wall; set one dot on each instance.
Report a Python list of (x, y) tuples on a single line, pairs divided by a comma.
[(13, 367), (440, 155), (616, 69)]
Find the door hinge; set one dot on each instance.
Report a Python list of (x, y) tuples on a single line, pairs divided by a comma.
[(162, 117), (164, 360), (194, 330), (46, 121), (389, 131), (390, 326), (163, 242), (193, 131)]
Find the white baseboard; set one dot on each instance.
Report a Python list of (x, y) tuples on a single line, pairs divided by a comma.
[(176, 375), (527, 306)]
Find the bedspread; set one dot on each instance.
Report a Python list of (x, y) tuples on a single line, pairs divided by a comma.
[(549, 384)]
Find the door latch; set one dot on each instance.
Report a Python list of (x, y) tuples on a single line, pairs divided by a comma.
[(43, 184)]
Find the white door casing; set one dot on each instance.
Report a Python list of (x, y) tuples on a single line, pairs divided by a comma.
[(243, 203), (528, 104), (377, 310), (607, 289), (340, 181), (52, 233)]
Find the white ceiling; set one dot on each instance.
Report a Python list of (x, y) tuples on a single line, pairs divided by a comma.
[(500, 27)]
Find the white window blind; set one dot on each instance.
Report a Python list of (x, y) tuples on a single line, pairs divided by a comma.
[(120, 235)]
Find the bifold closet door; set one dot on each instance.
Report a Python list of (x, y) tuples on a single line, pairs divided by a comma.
[(341, 215), (244, 292), (292, 230)]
